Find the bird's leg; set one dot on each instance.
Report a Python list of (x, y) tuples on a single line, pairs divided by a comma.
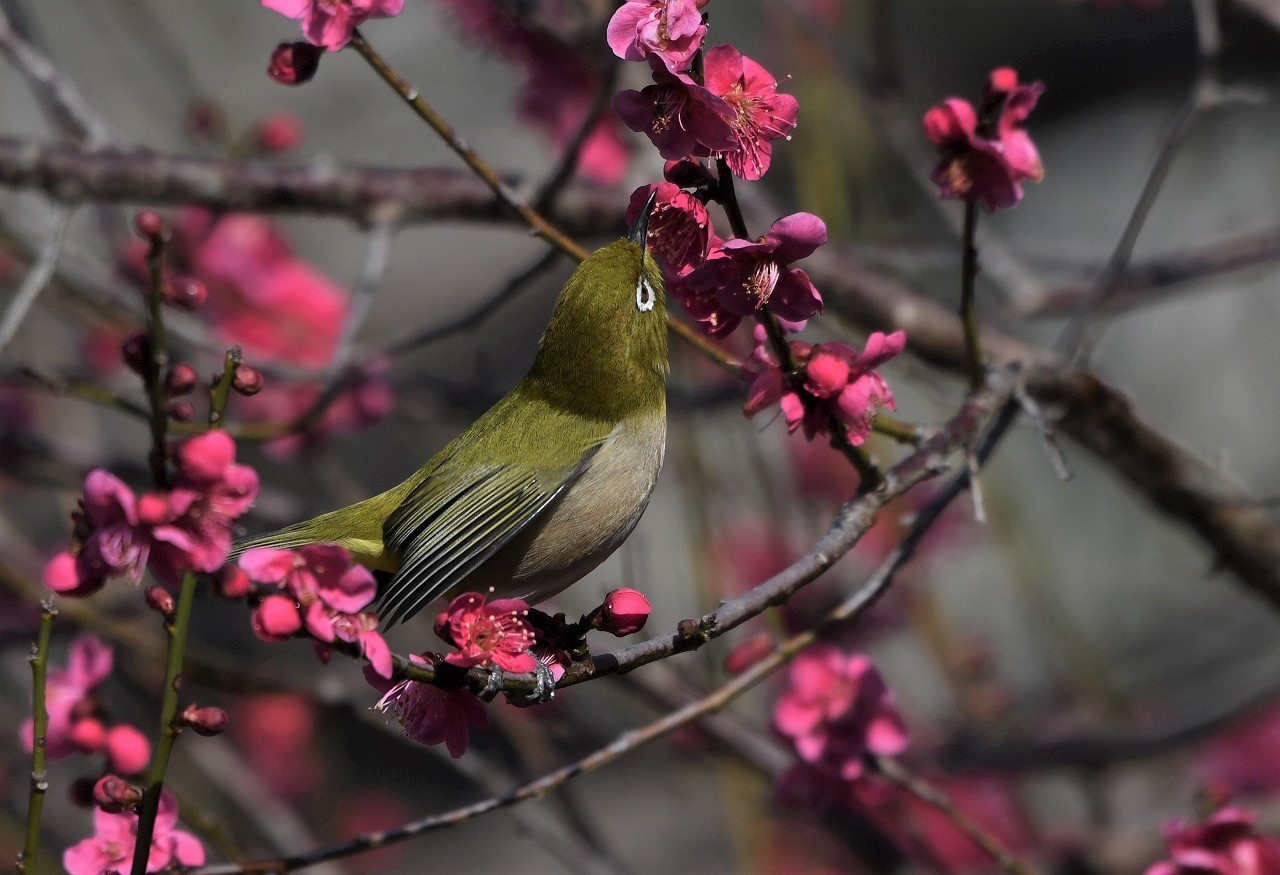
[(544, 688), (493, 686)]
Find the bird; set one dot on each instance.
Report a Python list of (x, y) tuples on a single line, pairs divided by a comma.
[(548, 482)]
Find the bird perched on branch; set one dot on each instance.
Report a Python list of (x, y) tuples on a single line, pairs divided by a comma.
[(546, 484)]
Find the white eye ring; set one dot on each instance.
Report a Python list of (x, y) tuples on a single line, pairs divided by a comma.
[(645, 298)]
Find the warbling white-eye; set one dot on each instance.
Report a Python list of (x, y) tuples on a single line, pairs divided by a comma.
[(546, 484)]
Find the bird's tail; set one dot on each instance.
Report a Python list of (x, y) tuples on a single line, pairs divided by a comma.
[(296, 535)]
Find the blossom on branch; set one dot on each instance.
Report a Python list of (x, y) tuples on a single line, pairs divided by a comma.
[(671, 30), (760, 114), (329, 23), (1225, 844), (838, 381), (748, 275), (679, 116), (115, 836), (679, 226), (429, 714), (985, 154), (490, 633), (67, 693)]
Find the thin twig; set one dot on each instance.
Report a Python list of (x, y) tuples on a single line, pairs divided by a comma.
[(968, 280), (59, 97), (932, 796), (28, 862), (155, 364), (37, 277), (463, 150)]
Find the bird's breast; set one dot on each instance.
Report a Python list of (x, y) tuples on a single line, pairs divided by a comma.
[(587, 522)]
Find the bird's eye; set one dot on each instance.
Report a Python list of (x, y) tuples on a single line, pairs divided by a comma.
[(645, 298)]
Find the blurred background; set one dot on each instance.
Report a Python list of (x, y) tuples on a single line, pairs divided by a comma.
[(1075, 671)]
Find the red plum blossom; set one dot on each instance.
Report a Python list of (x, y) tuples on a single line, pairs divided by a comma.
[(329, 23), (489, 633), (672, 30), (89, 665), (837, 710), (678, 115), (679, 226), (624, 612), (429, 714), (1226, 844), (114, 839), (760, 114)]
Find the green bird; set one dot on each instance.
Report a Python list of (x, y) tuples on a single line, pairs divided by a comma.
[(547, 483)]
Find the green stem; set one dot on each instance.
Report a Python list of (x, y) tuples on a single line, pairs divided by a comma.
[(153, 374), (167, 734), (902, 432), (39, 737), (221, 391), (968, 279)]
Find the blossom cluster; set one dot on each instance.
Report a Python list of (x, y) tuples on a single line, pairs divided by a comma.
[(838, 382), (985, 153), (317, 588), (77, 722), (279, 309), (187, 528), (115, 838), (330, 23), (835, 711)]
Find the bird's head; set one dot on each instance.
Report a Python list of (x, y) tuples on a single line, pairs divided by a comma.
[(605, 351)]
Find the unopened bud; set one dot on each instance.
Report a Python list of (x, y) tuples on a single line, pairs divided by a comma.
[(148, 225), (186, 292), (279, 132), (294, 63), (180, 380), (88, 735), (114, 794), (204, 721), (624, 612), (160, 600), (136, 351), (247, 381), (231, 582), (180, 411), (1001, 81)]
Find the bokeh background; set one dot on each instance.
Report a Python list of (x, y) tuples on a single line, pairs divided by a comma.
[(1076, 670)]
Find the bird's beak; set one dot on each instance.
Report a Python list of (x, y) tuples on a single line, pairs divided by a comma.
[(639, 233)]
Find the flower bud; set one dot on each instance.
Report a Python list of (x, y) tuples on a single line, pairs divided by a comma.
[(294, 63), (186, 292), (204, 721), (114, 794), (624, 612), (180, 411), (688, 173), (826, 374), (160, 600), (279, 132), (128, 750), (247, 381), (276, 619), (180, 380), (231, 582), (148, 225), (88, 735), (1001, 81), (136, 351)]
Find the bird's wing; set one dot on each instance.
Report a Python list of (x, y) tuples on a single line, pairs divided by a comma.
[(448, 526)]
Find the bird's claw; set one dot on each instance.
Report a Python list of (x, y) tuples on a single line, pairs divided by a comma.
[(493, 686), (544, 689)]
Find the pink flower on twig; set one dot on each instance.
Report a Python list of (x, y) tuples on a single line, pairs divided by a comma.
[(89, 665), (488, 633), (672, 30), (1225, 844), (679, 226), (679, 116), (329, 23), (429, 714), (115, 836), (760, 114)]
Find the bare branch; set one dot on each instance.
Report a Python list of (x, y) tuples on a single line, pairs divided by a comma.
[(37, 278)]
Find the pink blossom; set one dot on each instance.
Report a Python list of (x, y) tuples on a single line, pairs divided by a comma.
[(367, 399), (1225, 844), (760, 114), (276, 732), (111, 847), (300, 572), (89, 664), (279, 132), (679, 226), (838, 382), (488, 633), (836, 710), (986, 156), (679, 116), (747, 275), (670, 29), (429, 714), (329, 23), (276, 619), (1243, 755)]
